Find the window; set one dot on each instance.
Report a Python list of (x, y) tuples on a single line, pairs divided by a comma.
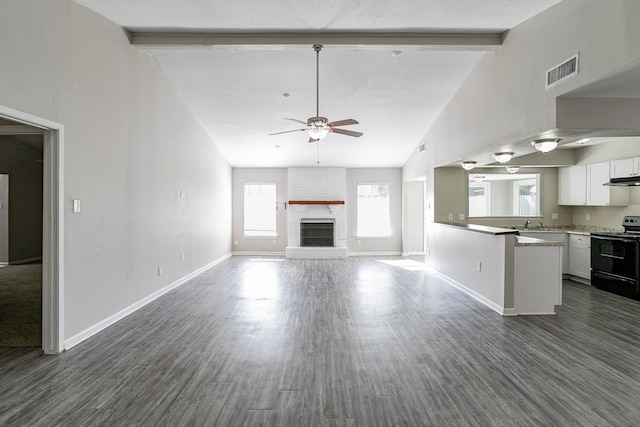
[(504, 195), (524, 198), (260, 209), (374, 210)]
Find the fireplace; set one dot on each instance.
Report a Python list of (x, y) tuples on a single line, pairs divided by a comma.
[(317, 232)]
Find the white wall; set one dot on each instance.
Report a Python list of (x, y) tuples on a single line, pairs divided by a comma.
[(131, 149)]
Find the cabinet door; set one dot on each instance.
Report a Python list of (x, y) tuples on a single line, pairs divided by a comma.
[(580, 256), (597, 193), (572, 185), (623, 168)]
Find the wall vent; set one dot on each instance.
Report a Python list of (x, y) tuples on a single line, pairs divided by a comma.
[(421, 148), (562, 71)]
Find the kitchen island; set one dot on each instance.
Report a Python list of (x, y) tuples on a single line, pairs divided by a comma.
[(511, 274)]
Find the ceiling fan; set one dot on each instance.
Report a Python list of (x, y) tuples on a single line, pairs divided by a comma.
[(318, 127)]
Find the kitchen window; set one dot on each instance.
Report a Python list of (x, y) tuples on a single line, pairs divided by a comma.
[(503, 195), (373, 210), (260, 209)]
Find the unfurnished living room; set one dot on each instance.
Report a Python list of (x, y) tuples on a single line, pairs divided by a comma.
[(378, 213)]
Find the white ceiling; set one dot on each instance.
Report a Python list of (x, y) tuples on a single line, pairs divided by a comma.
[(237, 91)]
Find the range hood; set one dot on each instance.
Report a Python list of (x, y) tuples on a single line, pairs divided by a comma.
[(628, 181)]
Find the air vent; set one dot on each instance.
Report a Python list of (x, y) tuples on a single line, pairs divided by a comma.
[(562, 71), (421, 148)]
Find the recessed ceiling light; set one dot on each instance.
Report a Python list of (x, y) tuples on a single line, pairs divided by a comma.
[(583, 140)]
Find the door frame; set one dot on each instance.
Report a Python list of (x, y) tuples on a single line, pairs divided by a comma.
[(53, 223)]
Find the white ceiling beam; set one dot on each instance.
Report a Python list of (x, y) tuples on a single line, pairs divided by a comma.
[(294, 40)]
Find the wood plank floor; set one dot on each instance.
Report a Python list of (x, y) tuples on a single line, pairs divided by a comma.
[(352, 342)]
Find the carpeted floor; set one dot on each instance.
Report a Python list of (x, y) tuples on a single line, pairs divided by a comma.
[(21, 305)]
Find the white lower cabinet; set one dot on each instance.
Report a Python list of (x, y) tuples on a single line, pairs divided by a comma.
[(580, 255)]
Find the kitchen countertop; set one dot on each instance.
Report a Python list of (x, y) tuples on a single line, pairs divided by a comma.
[(532, 241)]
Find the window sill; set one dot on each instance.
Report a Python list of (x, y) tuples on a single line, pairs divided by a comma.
[(272, 236)]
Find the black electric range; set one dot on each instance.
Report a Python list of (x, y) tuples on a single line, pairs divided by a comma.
[(615, 259)]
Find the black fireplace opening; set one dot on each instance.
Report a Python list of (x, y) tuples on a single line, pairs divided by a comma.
[(317, 232)]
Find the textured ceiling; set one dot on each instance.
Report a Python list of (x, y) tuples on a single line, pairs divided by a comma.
[(237, 92)]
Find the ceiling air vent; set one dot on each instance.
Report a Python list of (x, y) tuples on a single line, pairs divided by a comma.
[(562, 71), (421, 148)]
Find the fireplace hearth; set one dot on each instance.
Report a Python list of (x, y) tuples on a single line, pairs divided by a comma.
[(317, 232)]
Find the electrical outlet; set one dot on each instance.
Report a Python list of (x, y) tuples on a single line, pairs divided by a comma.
[(182, 256), (554, 215), (461, 217), (159, 270), (588, 217), (479, 266), (359, 241), (235, 242), (450, 217), (273, 242)]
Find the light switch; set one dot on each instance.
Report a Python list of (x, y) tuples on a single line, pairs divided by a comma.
[(76, 206)]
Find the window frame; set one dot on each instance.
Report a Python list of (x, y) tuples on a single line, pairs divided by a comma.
[(268, 234), (367, 236)]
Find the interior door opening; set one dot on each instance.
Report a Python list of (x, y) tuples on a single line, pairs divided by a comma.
[(50, 135)]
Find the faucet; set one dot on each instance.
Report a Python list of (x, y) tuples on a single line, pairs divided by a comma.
[(526, 224)]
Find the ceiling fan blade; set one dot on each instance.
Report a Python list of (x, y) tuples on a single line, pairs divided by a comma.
[(346, 132), (344, 122), (311, 139), (287, 131), (296, 120)]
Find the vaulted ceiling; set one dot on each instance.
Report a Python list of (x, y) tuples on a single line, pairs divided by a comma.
[(244, 66)]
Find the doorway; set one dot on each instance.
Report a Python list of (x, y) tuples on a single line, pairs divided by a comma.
[(14, 122)]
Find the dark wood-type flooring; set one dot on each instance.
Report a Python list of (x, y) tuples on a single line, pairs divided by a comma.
[(355, 342)]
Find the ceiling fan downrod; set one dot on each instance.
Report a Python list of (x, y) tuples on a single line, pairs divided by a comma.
[(317, 48)]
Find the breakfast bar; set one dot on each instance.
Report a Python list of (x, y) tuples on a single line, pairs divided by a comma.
[(511, 274)]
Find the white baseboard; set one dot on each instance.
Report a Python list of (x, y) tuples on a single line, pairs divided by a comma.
[(26, 261), (375, 253), (89, 332), (248, 253), (414, 253), (492, 305)]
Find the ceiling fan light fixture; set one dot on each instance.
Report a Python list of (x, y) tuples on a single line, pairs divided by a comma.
[(318, 133), (468, 165), (545, 145), (512, 169), (503, 156)]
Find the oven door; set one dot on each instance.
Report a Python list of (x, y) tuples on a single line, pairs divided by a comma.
[(615, 255)]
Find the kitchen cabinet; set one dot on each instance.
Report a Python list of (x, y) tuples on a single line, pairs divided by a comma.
[(582, 185), (572, 185), (556, 237), (580, 255), (624, 168)]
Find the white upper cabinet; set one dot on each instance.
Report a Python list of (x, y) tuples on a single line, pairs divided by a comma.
[(624, 168), (572, 185), (582, 185)]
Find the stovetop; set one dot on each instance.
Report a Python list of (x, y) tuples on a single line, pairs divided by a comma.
[(631, 226)]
